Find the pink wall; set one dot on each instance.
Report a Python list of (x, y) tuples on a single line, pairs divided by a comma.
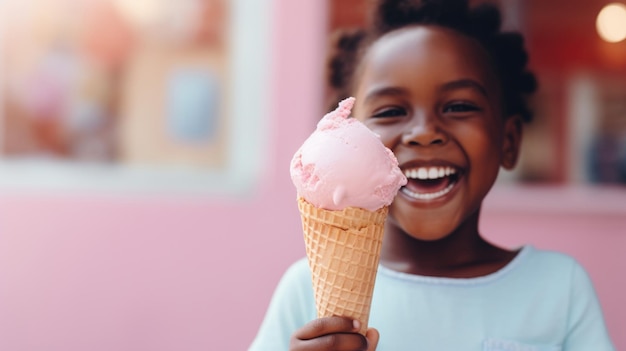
[(94, 272), (102, 273)]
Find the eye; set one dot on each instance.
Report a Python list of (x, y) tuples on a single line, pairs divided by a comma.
[(389, 112), (460, 107)]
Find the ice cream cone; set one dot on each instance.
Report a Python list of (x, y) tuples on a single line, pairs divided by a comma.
[(343, 249)]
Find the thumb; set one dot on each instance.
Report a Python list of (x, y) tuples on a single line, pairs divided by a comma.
[(372, 337)]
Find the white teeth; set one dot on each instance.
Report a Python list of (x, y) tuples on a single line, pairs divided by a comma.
[(422, 173), (427, 196), (433, 173), (442, 172), (429, 172)]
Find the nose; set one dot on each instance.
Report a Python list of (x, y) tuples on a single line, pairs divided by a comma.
[(424, 131)]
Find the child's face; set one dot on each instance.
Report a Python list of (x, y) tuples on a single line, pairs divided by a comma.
[(432, 96)]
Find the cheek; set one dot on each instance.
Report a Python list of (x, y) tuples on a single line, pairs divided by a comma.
[(482, 144), (390, 135)]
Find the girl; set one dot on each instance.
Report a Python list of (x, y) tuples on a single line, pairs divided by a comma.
[(444, 89)]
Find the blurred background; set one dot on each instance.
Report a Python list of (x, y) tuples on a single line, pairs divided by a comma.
[(144, 89), (145, 200)]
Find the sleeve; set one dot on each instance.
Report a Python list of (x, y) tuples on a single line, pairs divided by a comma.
[(586, 328), (291, 307)]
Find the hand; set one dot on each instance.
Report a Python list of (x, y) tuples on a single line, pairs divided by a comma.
[(333, 334)]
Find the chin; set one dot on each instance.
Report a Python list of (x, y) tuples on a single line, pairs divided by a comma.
[(425, 230), (429, 235)]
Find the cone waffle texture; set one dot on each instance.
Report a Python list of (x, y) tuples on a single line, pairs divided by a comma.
[(343, 249)]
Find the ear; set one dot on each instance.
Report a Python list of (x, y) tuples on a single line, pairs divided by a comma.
[(511, 143)]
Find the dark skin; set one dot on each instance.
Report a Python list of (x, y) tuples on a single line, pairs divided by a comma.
[(433, 97), (333, 333)]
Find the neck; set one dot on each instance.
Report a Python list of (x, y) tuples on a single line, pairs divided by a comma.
[(462, 253)]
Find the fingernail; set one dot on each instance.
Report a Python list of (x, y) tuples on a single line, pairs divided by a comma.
[(356, 324)]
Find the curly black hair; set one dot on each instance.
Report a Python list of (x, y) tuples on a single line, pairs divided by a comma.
[(482, 22)]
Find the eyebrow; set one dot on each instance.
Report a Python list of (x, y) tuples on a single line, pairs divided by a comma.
[(385, 91), (452, 85), (464, 83)]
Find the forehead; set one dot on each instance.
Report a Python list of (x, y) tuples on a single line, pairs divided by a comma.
[(424, 52)]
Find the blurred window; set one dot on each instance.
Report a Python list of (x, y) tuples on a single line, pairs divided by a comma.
[(139, 92)]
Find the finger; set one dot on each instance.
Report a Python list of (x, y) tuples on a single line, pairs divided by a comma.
[(372, 336), (334, 342), (327, 325)]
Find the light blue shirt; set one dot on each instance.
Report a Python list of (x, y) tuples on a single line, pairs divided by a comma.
[(540, 301)]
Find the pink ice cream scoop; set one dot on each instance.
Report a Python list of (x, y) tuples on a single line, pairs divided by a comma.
[(344, 164)]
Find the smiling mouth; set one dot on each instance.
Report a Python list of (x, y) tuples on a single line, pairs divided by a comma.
[(429, 183)]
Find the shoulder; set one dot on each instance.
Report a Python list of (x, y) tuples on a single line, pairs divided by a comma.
[(554, 269), (295, 284), (549, 256), (549, 262), (298, 272), (299, 267), (585, 325)]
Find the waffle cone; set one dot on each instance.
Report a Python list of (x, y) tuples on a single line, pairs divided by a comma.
[(343, 250)]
